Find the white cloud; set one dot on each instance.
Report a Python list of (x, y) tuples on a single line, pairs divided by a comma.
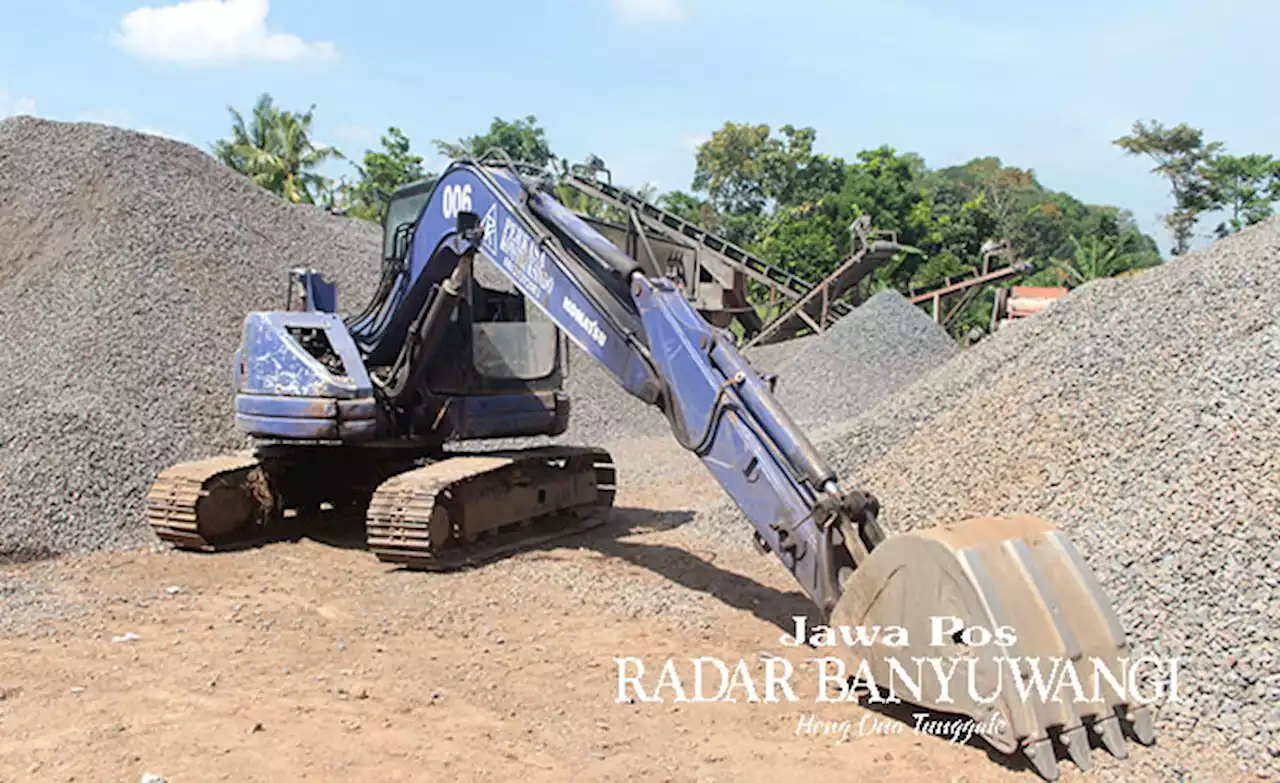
[(212, 32), (648, 11), (11, 105)]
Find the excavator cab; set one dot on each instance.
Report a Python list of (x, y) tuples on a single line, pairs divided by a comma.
[(404, 206), (499, 367)]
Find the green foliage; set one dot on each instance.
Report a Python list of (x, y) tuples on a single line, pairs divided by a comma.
[(1204, 178), (382, 171), (804, 242), (275, 150), (777, 197), (1180, 154), (795, 175), (888, 187), (744, 169), (1095, 258), (730, 169), (687, 206), (1246, 187), (522, 139)]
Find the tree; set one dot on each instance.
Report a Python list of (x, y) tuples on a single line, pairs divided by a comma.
[(1004, 190), (275, 150), (745, 170), (730, 168), (522, 139), (1246, 187), (1094, 258), (794, 174), (688, 206), (384, 171), (1180, 154), (802, 242), (888, 187)]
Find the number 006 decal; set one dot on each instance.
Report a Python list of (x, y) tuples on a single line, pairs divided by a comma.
[(455, 199)]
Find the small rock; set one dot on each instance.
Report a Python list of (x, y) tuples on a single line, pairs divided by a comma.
[(128, 637), (151, 777)]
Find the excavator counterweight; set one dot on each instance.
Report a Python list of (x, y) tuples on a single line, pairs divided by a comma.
[(486, 276)]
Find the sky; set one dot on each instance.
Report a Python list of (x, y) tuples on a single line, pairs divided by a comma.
[(1042, 85)]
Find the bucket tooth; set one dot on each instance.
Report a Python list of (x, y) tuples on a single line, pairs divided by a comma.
[(1040, 754), (1002, 595), (1076, 742), (1109, 732), (1143, 729)]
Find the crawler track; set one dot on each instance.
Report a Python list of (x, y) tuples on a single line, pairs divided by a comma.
[(238, 499), (197, 505), (466, 509)]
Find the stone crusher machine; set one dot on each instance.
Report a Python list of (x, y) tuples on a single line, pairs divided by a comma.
[(486, 275)]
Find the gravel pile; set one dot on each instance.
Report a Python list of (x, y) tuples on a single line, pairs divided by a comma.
[(865, 356), (1143, 417), (601, 411), (127, 263), (880, 347)]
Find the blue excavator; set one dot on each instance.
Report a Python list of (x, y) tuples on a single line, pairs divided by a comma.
[(486, 278)]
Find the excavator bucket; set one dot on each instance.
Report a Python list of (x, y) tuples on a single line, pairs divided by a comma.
[(1001, 597)]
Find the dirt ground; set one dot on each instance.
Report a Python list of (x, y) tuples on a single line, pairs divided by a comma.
[(310, 660)]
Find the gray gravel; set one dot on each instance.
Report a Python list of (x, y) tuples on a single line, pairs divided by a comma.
[(877, 349), (127, 264), (601, 411), (865, 356), (1143, 417)]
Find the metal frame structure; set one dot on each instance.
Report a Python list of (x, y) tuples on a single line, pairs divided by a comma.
[(816, 310), (970, 283), (721, 270)]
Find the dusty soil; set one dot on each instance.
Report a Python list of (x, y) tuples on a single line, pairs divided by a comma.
[(310, 660)]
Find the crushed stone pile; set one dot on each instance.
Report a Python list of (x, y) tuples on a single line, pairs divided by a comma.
[(878, 348), (1142, 416), (127, 263), (600, 410)]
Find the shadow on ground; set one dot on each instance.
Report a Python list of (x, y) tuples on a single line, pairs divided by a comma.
[(619, 534), (608, 538)]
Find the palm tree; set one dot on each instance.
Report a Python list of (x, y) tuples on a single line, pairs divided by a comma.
[(1094, 260), (275, 150)]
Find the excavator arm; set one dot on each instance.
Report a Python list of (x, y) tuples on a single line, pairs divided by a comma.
[(658, 348), (950, 588)]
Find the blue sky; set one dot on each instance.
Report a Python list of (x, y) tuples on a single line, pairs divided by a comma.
[(640, 82)]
